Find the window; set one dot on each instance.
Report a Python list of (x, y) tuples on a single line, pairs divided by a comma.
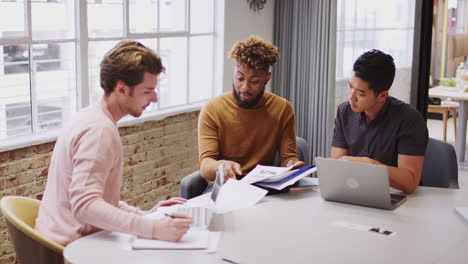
[(49, 66), (363, 25), (367, 24)]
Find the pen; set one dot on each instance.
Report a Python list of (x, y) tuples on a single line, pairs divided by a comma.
[(171, 216), (230, 261)]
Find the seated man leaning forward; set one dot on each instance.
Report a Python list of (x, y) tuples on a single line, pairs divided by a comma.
[(373, 127), (249, 125), (85, 174)]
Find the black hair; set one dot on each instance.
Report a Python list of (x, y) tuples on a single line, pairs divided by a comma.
[(377, 69)]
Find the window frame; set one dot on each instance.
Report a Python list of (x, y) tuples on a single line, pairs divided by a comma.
[(83, 87)]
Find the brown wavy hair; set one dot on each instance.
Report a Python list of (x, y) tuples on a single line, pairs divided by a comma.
[(255, 53), (128, 61)]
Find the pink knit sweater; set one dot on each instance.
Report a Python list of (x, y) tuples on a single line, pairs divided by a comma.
[(82, 194)]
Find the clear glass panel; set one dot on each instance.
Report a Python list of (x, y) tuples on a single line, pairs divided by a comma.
[(172, 15), (53, 19), (143, 16), (54, 80), (366, 24), (12, 22), (173, 88), (105, 18), (153, 44), (96, 50), (201, 68), (201, 16), (15, 100), (385, 25)]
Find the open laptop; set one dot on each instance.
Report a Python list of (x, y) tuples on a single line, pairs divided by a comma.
[(203, 211), (356, 183)]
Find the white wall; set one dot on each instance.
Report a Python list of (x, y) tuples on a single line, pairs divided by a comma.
[(239, 23)]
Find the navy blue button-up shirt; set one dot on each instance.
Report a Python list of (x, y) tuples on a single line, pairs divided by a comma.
[(397, 129)]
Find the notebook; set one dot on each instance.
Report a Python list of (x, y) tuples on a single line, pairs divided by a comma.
[(192, 240), (356, 183)]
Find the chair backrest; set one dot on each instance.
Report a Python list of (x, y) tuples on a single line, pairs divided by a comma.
[(440, 167), (302, 149), (458, 49), (30, 246)]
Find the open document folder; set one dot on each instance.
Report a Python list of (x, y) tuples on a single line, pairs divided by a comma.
[(277, 177)]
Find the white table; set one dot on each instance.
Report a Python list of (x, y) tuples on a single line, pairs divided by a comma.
[(298, 227), (455, 94)]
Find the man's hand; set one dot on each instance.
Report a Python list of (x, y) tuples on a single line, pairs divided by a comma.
[(172, 228), (172, 201), (295, 163), (360, 159), (230, 169)]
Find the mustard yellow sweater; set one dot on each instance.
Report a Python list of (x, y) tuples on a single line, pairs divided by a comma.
[(246, 136)]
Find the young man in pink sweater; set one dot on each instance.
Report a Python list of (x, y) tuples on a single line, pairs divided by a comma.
[(82, 194)]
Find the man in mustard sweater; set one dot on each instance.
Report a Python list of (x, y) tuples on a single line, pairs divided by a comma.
[(247, 126)]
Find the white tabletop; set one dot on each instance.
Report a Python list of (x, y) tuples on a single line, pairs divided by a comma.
[(448, 92), (300, 227)]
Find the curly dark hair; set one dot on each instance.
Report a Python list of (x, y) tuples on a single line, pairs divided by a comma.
[(255, 53), (128, 61)]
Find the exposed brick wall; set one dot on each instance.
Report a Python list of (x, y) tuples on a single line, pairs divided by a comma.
[(157, 154)]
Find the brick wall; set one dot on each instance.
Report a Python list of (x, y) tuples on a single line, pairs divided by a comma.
[(157, 154)]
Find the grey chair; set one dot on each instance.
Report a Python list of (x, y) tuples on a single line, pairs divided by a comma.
[(194, 184), (440, 167)]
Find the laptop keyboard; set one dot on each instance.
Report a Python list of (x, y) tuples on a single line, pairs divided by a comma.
[(200, 215)]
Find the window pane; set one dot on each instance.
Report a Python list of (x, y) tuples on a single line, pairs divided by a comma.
[(201, 68), (15, 106), (53, 20), (153, 44), (55, 84), (105, 18), (12, 19), (173, 88), (143, 16), (172, 15), (97, 49), (201, 16)]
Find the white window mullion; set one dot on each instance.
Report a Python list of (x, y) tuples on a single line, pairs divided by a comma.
[(187, 27), (82, 69), (188, 71), (32, 68), (126, 20)]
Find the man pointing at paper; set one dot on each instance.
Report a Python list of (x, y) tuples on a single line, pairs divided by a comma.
[(248, 125)]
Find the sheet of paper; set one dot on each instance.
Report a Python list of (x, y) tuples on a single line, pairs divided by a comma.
[(235, 195), (193, 239), (200, 201), (203, 200), (279, 185), (261, 172), (463, 210)]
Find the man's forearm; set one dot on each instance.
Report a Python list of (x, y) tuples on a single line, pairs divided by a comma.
[(403, 179), (208, 168)]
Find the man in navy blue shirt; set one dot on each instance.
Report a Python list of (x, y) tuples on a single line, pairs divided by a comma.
[(373, 127)]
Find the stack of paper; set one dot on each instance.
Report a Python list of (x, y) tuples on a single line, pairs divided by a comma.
[(193, 239)]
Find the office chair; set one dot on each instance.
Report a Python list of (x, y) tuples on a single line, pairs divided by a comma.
[(194, 184), (440, 167), (30, 246)]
